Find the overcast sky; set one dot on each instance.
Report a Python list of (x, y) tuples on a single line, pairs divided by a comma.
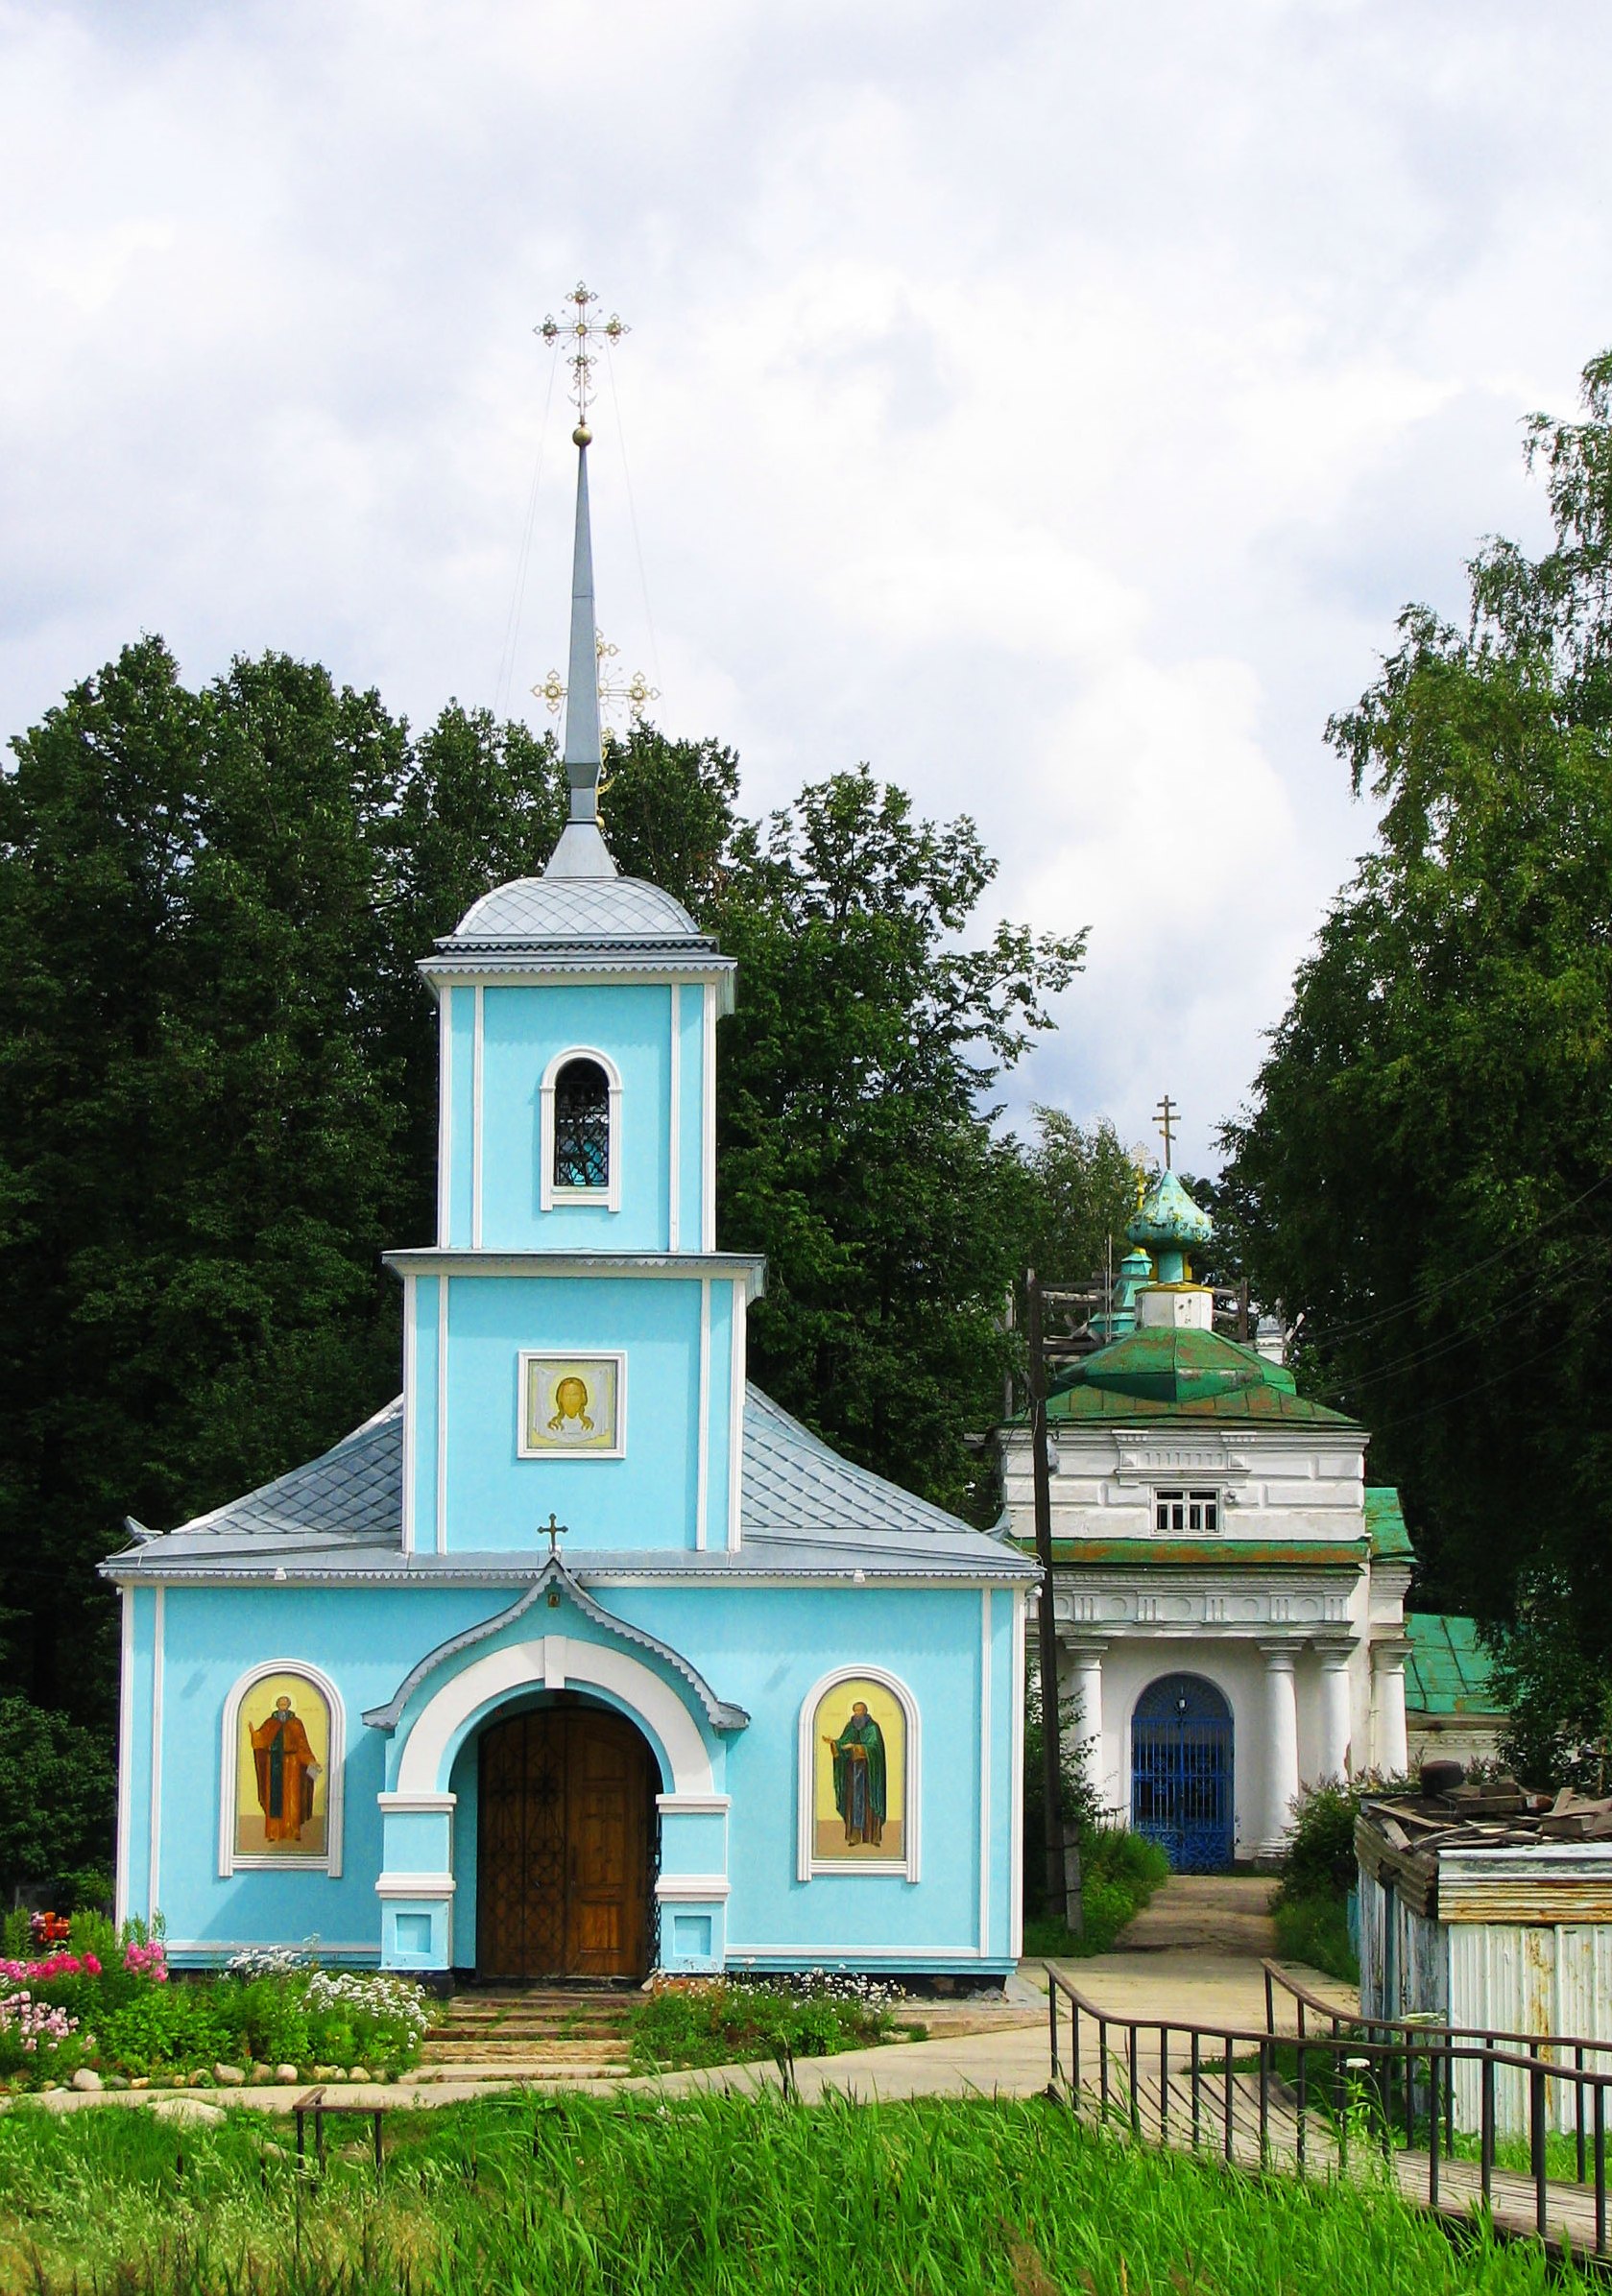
[(1051, 405)]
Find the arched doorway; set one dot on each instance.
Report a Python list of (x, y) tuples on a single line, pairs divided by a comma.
[(1181, 1772), (565, 1844)]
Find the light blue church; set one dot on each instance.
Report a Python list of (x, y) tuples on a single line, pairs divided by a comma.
[(582, 1658)]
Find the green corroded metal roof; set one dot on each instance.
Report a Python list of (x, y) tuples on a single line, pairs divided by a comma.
[(1390, 1541), (1448, 1671), (1182, 1375), (1167, 1216), (1208, 1553)]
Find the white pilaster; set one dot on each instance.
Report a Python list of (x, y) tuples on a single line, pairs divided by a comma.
[(1282, 1745), (1390, 1750), (1334, 1710), (1081, 1678)]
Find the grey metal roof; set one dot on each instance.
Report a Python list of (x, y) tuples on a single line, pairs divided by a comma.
[(572, 909), (806, 1513)]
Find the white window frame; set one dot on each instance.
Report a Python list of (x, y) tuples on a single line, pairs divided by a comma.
[(808, 1864), (549, 1450), (329, 1860), (550, 1197), (1187, 1499)]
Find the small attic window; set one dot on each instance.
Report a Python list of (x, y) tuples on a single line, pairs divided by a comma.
[(582, 1126), (1187, 1512), (581, 1144)]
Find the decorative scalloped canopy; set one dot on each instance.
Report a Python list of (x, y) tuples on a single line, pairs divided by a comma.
[(583, 909)]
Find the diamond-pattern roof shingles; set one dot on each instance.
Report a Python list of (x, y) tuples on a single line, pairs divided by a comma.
[(573, 909), (801, 1503), (353, 1491)]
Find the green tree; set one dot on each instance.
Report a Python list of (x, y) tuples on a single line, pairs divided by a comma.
[(1425, 1170), (1081, 1188), (57, 1791), (856, 1148)]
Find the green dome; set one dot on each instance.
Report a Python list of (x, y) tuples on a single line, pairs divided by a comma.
[(1166, 1217), (1180, 1374)]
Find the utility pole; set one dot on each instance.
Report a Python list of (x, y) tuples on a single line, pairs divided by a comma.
[(1063, 1872)]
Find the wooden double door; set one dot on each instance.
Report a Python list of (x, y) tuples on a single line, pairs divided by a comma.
[(565, 1835)]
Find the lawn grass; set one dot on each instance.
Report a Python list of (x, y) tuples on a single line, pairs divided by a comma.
[(634, 2197)]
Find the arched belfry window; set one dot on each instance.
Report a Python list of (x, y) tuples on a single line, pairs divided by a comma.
[(582, 1126), (580, 1148)]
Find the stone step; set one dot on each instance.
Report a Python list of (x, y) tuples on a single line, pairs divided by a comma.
[(472, 2044), (526, 2071)]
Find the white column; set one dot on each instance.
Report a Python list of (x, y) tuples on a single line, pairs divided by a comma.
[(1334, 1710), (1282, 1745), (1081, 1678), (1390, 1749)]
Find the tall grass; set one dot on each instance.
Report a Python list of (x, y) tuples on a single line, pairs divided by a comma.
[(634, 2197)]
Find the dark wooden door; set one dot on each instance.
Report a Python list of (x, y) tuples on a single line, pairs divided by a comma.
[(564, 1846)]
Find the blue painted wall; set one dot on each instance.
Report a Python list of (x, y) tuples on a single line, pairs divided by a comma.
[(763, 1648)]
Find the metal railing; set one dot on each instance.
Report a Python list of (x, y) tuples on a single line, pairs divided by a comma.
[(1321, 2098)]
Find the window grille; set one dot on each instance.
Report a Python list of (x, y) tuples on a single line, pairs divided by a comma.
[(1185, 1511), (582, 1126)]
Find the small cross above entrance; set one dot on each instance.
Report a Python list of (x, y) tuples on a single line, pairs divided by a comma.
[(556, 1532)]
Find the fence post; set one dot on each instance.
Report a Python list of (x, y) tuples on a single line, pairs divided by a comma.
[(1052, 2016), (1074, 2053), (1136, 2098), (1102, 2061), (1600, 2167), (1196, 2088), (1163, 2083), (1265, 2101), (1578, 2110), (1433, 2129), (1228, 2095), (1536, 2136), (1303, 2089), (1486, 2122)]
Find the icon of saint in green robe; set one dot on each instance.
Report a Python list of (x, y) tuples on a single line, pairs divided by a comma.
[(858, 1754)]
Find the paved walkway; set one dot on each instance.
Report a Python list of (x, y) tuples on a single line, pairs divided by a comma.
[(1193, 1957)]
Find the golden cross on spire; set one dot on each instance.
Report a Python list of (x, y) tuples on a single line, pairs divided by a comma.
[(637, 693), (581, 331), (1164, 1116)]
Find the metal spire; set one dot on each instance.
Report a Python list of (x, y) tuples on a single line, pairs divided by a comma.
[(582, 852)]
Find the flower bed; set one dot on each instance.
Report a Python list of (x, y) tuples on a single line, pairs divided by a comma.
[(721, 2020), (100, 2007)]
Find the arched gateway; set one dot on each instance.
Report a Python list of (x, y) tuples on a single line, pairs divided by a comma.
[(1181, 1772), (565, 1841)]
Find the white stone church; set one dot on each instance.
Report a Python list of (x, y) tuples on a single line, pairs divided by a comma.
[(1229, 1594)]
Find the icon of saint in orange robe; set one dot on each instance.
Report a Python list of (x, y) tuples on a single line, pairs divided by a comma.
[(286, 1771)]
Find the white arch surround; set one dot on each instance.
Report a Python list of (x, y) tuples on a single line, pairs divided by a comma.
[(609, 1197), (808, 1862), (553, 1662), (330, 1861)]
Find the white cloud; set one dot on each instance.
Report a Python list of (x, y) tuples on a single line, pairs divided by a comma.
[(1050, 405)]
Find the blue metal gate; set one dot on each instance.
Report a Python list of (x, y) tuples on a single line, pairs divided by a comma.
[(1181, 1772)]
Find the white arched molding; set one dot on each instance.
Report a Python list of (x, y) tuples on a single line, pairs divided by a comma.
[(808, 1862), (553, 1662), (329, 1859), (609, 1197)]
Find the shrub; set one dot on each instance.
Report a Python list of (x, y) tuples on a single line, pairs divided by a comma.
[(718, 2021), (1319, 1856)]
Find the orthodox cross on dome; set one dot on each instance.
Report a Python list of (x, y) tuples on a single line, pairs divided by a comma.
[(580, 331), (556, 1532), (1165, 1116), (636, 693)]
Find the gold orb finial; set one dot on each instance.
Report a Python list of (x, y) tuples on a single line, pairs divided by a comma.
[(582, 436)]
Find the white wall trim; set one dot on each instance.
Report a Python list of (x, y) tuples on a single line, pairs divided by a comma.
[(708, 1122), (735, 1419), (414, 1885), (808, 1862), (434, 1805), (331, 1860), (125, 1750), (702, 1476), (443, 1281), (674, 1104), (153, 1902), (411, 1406), (446, 1720), (1016, 1822), (550, 1197), (919, 1958), (445, 1119), (477, 1067), (694, 1805), (987, 1801), (683, 1889)]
